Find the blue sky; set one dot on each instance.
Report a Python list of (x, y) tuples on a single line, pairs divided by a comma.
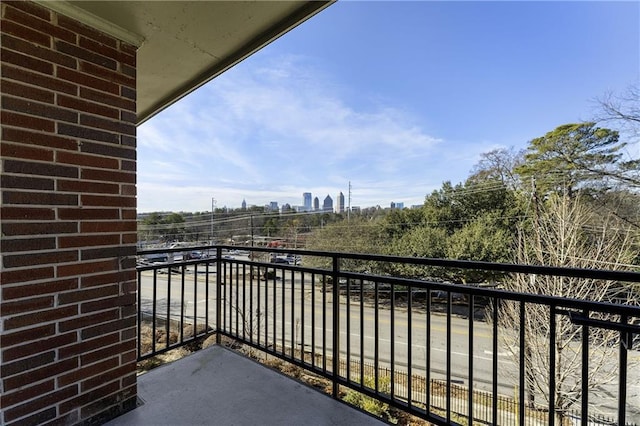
[(396, 97)]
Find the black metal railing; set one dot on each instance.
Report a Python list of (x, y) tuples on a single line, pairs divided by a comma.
[(505, 357)]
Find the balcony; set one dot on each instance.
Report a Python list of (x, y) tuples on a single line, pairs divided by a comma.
[(445, 353)]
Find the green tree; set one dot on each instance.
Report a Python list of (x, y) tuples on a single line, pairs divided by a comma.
[(573, 156)]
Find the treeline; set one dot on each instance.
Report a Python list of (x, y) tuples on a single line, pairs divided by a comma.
[(569, 199)]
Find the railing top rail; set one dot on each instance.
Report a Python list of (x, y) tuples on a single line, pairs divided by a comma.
[(602, 274)]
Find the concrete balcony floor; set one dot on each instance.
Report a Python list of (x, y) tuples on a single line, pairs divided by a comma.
[(216, 386)]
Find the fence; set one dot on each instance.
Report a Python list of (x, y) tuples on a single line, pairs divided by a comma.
[(318, 317)]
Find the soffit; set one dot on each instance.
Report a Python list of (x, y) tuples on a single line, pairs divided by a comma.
[(184, 44)]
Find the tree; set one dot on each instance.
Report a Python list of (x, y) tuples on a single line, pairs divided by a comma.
[(622, 109), (574, 156), (564, 234), (498, 165)]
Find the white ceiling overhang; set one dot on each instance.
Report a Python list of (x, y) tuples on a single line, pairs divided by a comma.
[(184, 44)]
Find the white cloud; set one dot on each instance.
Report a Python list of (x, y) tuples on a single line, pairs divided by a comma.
[(270, 132)]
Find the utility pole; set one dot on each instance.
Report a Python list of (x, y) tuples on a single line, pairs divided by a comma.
[(251, 230), (349, 204), (213, 204)]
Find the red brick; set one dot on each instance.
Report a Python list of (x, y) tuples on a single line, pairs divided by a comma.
[(41, 198), (26, 152), (39, 52), (87, 80), (130, 238), (84, 159), (85, 398), (18, 367), (129, 50), (107, 51), (27, 182), (27, 393), (87, 187), (129, 357), (89, 240), (26, 121), (86, 55), (129, 166), (41, 25), (107, 201), (27, 244), (29, 335), (119, 226), (33, 375), (19, 229), (107, 252), (33, 138), (127, 70), (40, 169), (129, 93), (26, 305), (31, 8), (129, 117), (101, 279), (38, 258), (28, 92), (129, 190), (17, 292), (108, 73), (40, 317), (109, 303), (28, 62), (87, 268), (38, 109), (88, 214), (106, 376), (88, 345), (105, 352), (88, 320), (25, 33), (108, 176), (129, 214), (25, 275), (36, 419), (107, 99), (93, 293), (86, 133), (76, 27), (88, 371), (28, 349), (86, 106), (109, 150), (109, 125), (43, 81), (41, 402), (25, 213)]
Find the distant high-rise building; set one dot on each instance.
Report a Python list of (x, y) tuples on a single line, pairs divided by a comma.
[(341, 202), (272, 206), (244, 204), (316, 204), (393, 205), (327, 206), (306, 197), (400, 206)]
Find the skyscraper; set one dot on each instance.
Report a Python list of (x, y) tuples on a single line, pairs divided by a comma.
[(244, 204), (327, 206), (316, 204), (340, 202), (306, 197)]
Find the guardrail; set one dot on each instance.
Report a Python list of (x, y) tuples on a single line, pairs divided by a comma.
[(334, 318)]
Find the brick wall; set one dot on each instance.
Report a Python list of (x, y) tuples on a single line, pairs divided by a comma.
[(68, 218)]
